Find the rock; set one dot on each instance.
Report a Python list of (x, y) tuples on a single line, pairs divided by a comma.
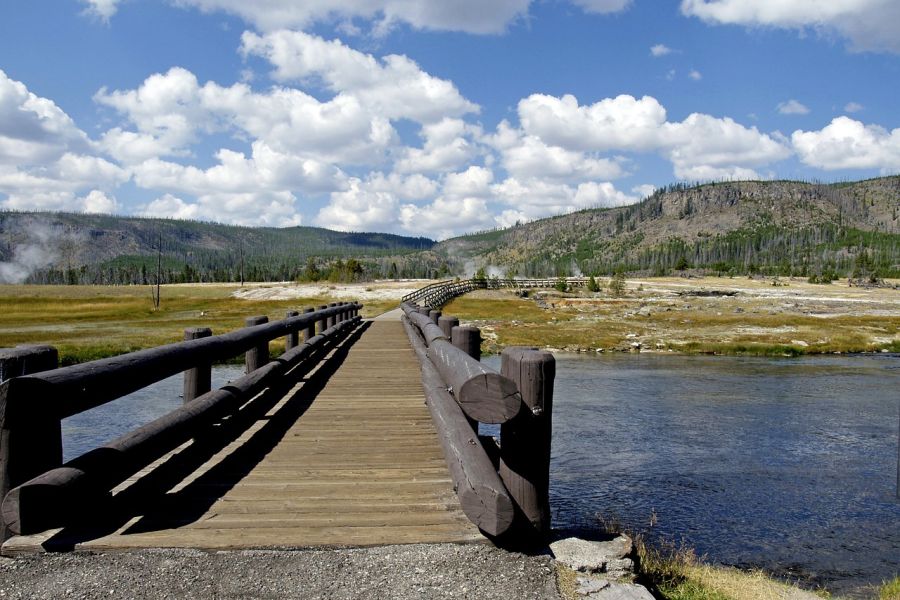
[(623, 591), (620, 567), (590, 585), (591, 557)]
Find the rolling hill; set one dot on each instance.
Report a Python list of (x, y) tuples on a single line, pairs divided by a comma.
[(84, 248), (771, 227)]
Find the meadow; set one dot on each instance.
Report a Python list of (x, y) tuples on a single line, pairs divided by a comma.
[(737, 316), (90, 322)]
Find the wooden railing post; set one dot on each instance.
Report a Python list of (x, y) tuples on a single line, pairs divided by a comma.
[(447, 324), (32, 444), (434, 315), (331, 319), (525, 439), (310, 330), (322, 324), (197, 381), (258, 356), (293, 338), (467, 339)]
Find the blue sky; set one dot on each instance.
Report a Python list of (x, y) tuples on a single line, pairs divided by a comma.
[(426, 118)]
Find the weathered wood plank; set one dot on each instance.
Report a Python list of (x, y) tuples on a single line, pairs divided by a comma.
[(361, 466)]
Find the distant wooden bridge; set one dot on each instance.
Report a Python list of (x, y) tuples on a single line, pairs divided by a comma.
[(361, 433)]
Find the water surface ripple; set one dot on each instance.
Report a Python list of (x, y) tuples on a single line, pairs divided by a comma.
[(785, 464)]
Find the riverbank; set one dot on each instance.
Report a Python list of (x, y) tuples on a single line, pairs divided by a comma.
[(737, 316)]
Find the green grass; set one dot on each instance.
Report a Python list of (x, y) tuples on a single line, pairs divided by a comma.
[(890, 590), (90, 322)]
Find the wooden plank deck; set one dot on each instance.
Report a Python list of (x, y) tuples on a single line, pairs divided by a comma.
[(361, 465)]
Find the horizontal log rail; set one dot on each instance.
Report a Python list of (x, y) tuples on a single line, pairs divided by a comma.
[(59, 496), (482, 393), (461, 393), (72, 390), (437, 294), (482, 495), (39, 488)]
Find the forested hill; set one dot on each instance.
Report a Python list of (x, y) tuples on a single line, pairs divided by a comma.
[(771, 227), (81, 248)]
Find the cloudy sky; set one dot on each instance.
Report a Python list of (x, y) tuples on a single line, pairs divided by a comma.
[(433, 118)]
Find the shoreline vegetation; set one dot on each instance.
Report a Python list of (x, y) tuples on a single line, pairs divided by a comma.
[(676, 573)]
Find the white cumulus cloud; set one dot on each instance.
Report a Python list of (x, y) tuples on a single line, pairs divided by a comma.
[(846, 143), (700, 147), (34, 130), (660, 50), (792, 107), (869, 25), (524, 155), (101, 9), (472, 16), (394, 87)]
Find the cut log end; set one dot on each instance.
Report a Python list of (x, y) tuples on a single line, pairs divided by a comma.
[(489, 398), (491, 511)]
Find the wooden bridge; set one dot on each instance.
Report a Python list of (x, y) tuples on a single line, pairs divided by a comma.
[(361, 433)]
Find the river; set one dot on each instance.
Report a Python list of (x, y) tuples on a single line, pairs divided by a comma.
[(789, 465)]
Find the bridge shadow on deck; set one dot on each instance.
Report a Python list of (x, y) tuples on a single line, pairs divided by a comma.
[(151, 500)]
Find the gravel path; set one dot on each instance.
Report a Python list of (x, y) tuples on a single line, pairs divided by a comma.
[(390, 572)]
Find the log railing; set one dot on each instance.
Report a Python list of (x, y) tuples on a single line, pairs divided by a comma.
[(39, 492), (437, 294), (504, 490)]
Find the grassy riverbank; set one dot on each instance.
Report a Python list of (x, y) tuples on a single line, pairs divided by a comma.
[(677, 574), (90, 322), (695, 316)]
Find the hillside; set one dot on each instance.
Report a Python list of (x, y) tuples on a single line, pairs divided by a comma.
[(82, 248), (772, 227)]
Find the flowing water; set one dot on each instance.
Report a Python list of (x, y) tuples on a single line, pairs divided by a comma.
[(785, 464), (90, 429)]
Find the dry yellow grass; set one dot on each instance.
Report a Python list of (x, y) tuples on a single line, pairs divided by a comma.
[(711, 315), (88, 322), (744, 585)]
